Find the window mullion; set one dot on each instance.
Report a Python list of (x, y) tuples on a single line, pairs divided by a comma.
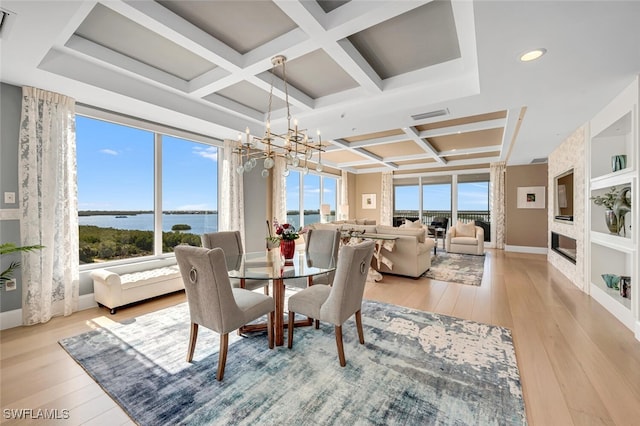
[(157, 203)]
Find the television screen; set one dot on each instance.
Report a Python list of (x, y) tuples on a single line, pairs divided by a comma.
[(564, 196)]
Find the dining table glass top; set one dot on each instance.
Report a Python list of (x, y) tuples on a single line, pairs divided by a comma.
[(270, 264)]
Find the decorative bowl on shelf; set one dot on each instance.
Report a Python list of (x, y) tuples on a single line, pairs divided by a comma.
[(611, 280)]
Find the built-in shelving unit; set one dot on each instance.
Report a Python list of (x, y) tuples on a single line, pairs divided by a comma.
[(614, 132)]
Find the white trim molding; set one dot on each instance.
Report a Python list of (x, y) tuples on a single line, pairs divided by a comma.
[(11, 319), (526, 249)]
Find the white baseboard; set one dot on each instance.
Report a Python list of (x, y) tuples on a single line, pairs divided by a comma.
[(13, 318), (525, 249)]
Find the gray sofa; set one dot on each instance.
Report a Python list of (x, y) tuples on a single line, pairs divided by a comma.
[(410, 255)]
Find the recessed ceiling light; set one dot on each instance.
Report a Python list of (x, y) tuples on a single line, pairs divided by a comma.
[(532, 55)]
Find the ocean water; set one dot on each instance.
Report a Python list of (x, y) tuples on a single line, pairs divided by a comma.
[(200, 223)]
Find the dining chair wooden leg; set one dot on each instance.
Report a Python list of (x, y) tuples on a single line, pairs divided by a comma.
[(340, 346), (291, 326), (359, 325), (193, 336), (270, 329), (222, 356)]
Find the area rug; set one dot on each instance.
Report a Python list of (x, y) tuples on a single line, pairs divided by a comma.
[(416, 368), (456, 268)]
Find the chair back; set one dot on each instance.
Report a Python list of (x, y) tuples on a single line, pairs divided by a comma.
[(350, 278), (322, 248), (440, 222), (209, 293), (229, 241)]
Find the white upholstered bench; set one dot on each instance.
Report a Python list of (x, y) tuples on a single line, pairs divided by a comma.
[(114, 290)]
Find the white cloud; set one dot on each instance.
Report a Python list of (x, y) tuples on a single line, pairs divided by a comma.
[(210, 152), (109, 151)]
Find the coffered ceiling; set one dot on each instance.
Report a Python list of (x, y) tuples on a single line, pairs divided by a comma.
[(408, 86)]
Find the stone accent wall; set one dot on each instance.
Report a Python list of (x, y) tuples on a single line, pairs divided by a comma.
[(570, 154)]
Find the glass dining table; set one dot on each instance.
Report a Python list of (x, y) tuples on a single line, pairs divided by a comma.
[(270, 265)]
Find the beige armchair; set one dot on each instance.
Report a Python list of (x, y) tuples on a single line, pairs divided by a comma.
[(466, 238)]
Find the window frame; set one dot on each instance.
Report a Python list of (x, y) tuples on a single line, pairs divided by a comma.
[(158, 130)]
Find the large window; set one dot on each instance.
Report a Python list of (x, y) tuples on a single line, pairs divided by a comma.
[(306, 193), (406, 198), (473, 198), (463, 196), (436, 198), (120, 184)]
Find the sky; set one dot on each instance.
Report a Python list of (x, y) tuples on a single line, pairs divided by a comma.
[(115, 172), (115, 169)]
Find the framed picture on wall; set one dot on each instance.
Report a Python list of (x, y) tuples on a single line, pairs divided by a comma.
[(368, 201), (531, 197)]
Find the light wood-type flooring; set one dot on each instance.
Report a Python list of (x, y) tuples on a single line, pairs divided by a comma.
[(578, 364)]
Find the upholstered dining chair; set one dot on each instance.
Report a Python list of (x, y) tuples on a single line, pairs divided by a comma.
[(231, 243), (336, 303), (321, 248), (213, 303)]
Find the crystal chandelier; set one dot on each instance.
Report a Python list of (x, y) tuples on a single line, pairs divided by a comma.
[(295, 145)]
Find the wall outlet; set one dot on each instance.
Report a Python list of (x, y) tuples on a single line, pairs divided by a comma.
[(10, 285), (9, 197)]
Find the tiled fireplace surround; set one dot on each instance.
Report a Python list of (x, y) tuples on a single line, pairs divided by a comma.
[(569, 155)]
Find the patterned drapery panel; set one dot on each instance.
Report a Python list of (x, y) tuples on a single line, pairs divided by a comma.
[(386, 202), (231, 209), (279, 201), (343, 206), (496, 203), (48, 205)]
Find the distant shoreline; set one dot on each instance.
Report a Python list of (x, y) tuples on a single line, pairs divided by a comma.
[(136, 212)]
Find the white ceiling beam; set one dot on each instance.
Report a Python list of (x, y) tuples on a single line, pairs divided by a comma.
[(412, 134), (365, 153), (476, 150), (308, 18)]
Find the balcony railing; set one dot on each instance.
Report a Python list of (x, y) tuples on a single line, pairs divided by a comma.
[(481, 217)]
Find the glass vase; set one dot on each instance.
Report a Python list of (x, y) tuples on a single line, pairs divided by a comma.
[(287, 248)]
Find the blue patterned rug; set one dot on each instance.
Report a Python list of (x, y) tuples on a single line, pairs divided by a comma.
[(416, 368), (456, 268)]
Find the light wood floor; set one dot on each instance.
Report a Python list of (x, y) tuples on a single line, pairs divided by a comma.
[(578, 364)]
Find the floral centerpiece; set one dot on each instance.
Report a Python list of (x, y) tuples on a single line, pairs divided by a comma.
[(285, 234)]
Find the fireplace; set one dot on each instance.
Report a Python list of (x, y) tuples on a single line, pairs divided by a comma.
[(564, 246)]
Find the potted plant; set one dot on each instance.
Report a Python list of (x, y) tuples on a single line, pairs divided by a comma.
[(8, 248), (607, 200)]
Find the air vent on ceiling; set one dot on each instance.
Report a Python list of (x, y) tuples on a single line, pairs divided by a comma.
[(539, 160), (430, 114)]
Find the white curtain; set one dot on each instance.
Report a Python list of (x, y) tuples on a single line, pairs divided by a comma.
[(386, 199), (344, 196), (231, 209), (279, 198), (49, 205), (496, 203)]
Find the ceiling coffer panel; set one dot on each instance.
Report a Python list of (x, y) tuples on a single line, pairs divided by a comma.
[(377, 135), (472, 156), (316, 74), (463, 120), (241, 25), (395, 149), (138, 43), (250, 96), (467, 140), (427, 35), (342, 156)]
